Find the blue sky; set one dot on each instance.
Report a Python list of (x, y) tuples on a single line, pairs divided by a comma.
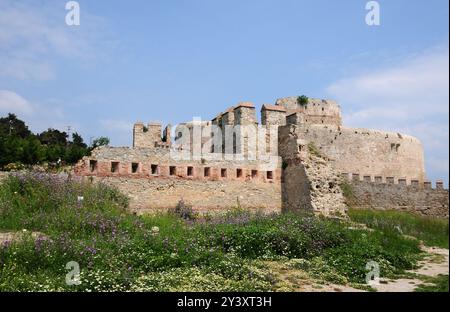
[(172, 60)]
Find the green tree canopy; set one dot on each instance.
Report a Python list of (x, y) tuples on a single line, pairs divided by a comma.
[(53, 137), (101, 141), (11, 125), (19, 145)]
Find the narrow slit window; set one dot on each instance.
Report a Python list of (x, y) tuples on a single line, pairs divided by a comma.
[(207, 171), (134, 167), (190, 171), (239, 173), (115, 167), (269, 175), (93, 165), (172, 170), (154, 169), (254, 174), (223, 173)]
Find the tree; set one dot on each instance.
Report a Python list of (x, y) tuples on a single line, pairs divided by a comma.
[(74, 153), (77, 140), (11, 125), (302, 100), (19, 144), (101, 141), (53, 137), (32, 151)]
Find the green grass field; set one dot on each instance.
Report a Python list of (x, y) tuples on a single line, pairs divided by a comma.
[(432, 231), (119, 251)]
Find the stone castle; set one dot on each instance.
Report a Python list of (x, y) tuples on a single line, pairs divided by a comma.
[(298, 158)]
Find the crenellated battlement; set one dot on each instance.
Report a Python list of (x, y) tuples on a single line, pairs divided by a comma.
[(389, 180), (398, 194), (289, 160), (151, 135)]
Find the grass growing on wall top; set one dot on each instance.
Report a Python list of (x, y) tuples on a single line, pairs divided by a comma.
[(432, 231)]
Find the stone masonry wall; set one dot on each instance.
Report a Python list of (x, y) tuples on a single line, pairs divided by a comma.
[(368, 152), (152, 195), (310, 183), (150, 136), (316, 111), (154, 180), (421, 199)]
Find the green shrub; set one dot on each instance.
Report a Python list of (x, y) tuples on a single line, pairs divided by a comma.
[(119, 251), (183, 210), (302, 100), (312, 148)]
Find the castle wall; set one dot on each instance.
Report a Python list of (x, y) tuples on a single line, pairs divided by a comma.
[(419, 198), (153, 195), (316, 111), (156, 179), (150, 136), (310, 184), (311, 149), (368, 152)]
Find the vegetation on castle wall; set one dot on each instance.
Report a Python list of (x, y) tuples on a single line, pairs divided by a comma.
[(347, 191), (302, 100), (312, 148), (120, 251)]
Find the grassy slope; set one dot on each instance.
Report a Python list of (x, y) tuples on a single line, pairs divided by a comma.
[(120, 251), (432, 231)]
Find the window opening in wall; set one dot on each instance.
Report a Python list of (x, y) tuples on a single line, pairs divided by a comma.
[(239, 173), (270, 175), (254, 174), (223, 173), (394, 147), (114, 167), (134, 167), (206, 171), (190, 171), (93, 165), (154, 169), (172, 170)]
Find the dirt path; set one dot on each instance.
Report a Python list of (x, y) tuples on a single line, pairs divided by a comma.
[(435, 263)]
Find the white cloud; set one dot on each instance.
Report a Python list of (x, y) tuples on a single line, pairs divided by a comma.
[(11, 102), (33, 35), (39, 116), (411, 97)]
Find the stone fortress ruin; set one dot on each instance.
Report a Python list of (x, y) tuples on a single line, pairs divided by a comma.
[(298, 158)]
